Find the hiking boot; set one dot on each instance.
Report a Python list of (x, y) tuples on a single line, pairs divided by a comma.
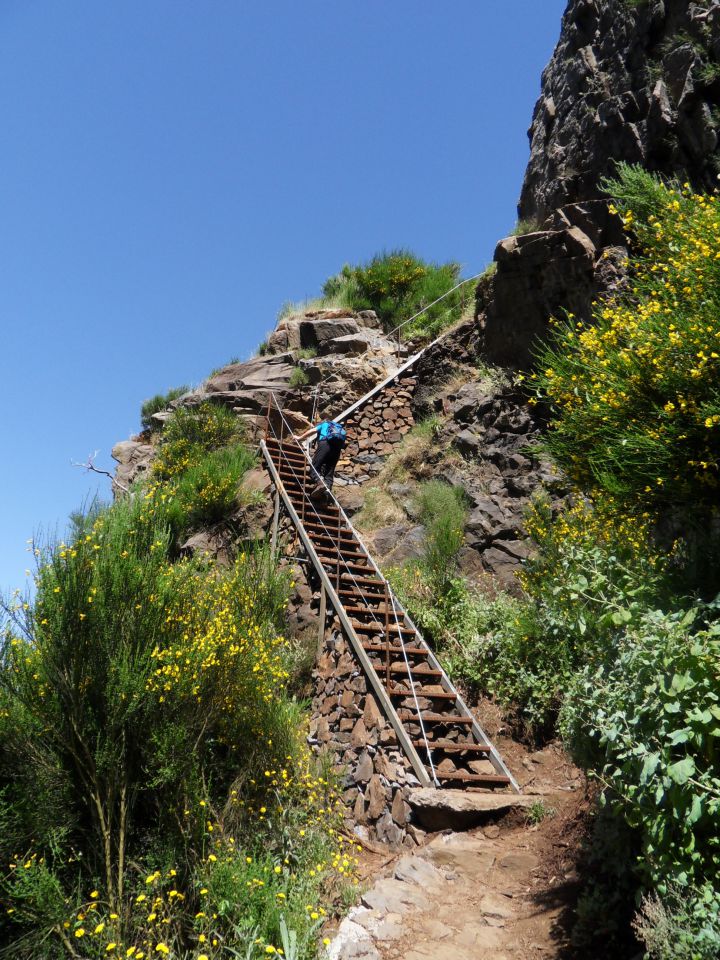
[(319, 492)]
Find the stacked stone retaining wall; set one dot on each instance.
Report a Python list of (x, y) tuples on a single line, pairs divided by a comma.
[(375, 429)]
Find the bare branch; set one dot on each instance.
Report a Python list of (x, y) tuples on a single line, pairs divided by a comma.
[(89, 465)]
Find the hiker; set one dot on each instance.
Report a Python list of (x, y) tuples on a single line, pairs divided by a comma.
[(329, 441)]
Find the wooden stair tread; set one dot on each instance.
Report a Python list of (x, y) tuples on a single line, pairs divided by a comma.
[(453, 748), (439, 695), (473, 777), (382, 648)]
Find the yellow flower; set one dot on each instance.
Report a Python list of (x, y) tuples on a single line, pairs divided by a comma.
[(79, 932), (161, 948), (110, 947)]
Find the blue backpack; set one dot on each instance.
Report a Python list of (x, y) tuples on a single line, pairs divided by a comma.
[(329, 430)]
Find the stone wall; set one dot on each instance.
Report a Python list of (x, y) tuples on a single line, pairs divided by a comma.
[(375, 429), (348, 723)]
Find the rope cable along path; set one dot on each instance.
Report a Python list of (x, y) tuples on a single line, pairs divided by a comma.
[(364, 594), (415, 316)]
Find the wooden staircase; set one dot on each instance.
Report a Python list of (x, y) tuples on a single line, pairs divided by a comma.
[(434, 727)]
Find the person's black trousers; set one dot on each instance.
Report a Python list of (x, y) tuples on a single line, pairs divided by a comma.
[(325, 458)]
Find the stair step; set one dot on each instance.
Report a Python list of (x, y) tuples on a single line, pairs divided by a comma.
[(379, 626), (322, 515), (355, 568), (453, 748), (364, 595), (370, 581), (322, 536), (470, 778), (345, 556), (410, 651), (365, 608), (416, 672), (287, 454), (423, 692), (409, 716)]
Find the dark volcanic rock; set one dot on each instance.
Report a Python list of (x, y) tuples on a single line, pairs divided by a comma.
[(635, 83), (625, 83)]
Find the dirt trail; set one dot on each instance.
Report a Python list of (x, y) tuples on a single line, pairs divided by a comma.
[(498, 891)]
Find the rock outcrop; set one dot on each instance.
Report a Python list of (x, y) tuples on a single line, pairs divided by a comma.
[(628, 81), (634, 82)]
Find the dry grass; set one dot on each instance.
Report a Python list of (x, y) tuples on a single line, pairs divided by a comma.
[(410, 456), (379, 510)]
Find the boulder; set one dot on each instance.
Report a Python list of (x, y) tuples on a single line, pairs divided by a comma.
[(351, 344), (314, 333), (266, 372), (134, 458), (410, 547), (460, 810)]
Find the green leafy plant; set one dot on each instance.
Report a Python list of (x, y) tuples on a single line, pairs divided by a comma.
[(538, 812), (397, 285), (443, 511), (298, 378), (161, 401)]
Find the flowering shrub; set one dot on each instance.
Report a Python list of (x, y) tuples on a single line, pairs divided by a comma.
[(148, 748), (190, 434), (638, 390), (397, 285), (637, 402)]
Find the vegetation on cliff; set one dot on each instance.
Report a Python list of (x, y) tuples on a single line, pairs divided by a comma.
[(397, 285), (155, 796), (616, 643), (637, 415)]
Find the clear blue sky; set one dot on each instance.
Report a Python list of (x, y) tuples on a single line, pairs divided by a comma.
[(173, 171)]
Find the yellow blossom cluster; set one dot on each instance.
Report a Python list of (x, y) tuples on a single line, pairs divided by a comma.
[(218, 648), (638, 389)]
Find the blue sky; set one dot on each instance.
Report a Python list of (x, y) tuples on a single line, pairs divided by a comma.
[(173, 171)]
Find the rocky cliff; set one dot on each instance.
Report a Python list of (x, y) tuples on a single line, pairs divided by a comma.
[(629, 81)]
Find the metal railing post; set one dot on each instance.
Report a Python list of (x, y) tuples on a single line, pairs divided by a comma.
[(387, 638)]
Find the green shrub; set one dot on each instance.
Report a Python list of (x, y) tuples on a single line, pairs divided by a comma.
[(298, 378), (638, 390), (207, 492), (161, 401), (193, 432), (682, 924), (443, 511), (150, 764), (647, 720), (398, 285)]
